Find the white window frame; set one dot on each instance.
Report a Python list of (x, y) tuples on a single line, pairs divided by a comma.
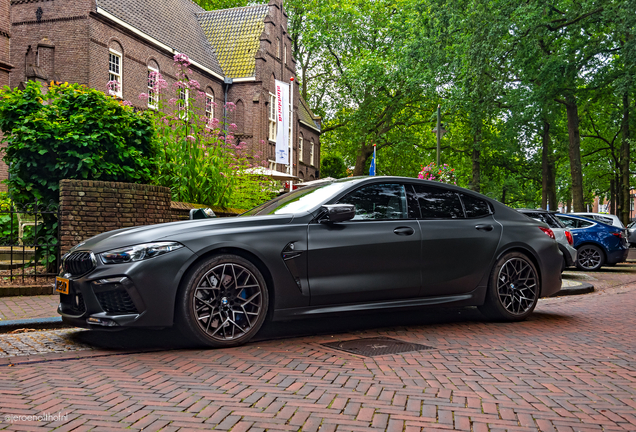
[(311, 153), (183, 114), (153, 96), (116, 75), (300, 149), (271, 116), (209, 107)]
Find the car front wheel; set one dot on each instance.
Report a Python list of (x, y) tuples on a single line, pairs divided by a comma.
[(513, 289), (590, 258), (224, 302)]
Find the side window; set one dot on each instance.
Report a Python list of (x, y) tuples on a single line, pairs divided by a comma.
[(378, 202), (438, 203), (475, 207), (569, 223), (583, 224)]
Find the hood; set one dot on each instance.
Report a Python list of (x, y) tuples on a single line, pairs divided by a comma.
[(173, 231)]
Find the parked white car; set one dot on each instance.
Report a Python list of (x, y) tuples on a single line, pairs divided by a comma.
[(607, 219)]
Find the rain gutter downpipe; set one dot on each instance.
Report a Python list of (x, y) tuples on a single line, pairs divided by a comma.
[(228, 83)]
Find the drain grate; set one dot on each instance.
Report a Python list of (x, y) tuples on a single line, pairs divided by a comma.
[(371, 347)]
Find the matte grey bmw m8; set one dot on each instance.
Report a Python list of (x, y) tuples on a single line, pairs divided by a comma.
[(356, 244)]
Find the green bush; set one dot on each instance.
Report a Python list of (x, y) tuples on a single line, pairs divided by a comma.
[(333, 166), (72, 132)]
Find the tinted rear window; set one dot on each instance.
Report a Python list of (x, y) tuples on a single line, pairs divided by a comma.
[(475, 207), (437, 203), (546, 218)]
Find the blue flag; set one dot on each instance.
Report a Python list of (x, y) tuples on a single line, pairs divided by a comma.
[(372, 167)]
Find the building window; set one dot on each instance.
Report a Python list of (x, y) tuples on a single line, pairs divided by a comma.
[(311, 153), (272, 117), (153, 95), (285, 54), (277, 48), (182, 103), (114, 72), (209, 107), (300, 149)]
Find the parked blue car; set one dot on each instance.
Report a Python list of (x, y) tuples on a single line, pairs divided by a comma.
[(597, 243)]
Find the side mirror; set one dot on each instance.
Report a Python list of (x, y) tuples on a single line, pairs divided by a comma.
[(339, 212), (201, 213)]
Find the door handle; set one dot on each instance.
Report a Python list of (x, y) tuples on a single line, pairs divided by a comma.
[(404, 231), (484, 227)]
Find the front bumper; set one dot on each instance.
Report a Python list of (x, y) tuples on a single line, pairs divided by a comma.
[(140, 294)]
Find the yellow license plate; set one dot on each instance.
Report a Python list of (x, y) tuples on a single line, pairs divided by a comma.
[(61, 285)]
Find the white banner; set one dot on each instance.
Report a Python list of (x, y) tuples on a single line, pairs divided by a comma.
[(282, 122)]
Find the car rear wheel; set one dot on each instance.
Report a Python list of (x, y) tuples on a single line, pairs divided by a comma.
[(224, 302), (513, 288), (590, 258)]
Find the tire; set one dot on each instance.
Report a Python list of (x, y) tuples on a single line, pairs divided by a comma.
[(590, 258), (223, 303), (513, 289)]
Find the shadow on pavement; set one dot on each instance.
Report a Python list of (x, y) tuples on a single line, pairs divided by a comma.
[(138, 339)]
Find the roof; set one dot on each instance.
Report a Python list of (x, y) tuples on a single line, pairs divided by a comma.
[(306, 116), (171, 22), (235, 36)]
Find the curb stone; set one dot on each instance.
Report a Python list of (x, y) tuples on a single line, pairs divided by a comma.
[(574, 288), (31, 323)]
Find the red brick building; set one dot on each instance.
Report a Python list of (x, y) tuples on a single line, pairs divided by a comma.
[(236, 55)]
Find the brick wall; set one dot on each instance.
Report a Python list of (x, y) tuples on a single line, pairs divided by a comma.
[(63, 31), (5, 39), (89, 208)]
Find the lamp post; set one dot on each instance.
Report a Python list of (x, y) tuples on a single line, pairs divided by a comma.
[(439, 132)]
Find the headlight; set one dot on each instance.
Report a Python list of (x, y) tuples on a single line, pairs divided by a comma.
[(138, 252)]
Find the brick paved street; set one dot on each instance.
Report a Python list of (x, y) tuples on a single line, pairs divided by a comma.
[(571, 367)]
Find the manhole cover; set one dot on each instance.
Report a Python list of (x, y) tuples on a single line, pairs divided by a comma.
[(376, 346)]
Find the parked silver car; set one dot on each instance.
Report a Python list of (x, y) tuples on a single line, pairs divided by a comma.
[(562, 235), (631, 228)]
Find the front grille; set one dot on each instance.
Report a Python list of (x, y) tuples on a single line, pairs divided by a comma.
[(116, 301), (78, 263)]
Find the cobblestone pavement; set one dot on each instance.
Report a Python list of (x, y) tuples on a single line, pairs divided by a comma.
[(570, 367), (25, 343)]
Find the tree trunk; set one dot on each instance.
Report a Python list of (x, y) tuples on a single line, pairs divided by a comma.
[(548, 196), (612, 208), (364, 153), (476, 180), (572, 110), (568, 204), (625, 214)]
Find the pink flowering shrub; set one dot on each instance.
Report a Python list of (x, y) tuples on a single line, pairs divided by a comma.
[(443, 174), (199, 159)]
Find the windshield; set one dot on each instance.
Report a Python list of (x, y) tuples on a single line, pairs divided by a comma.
[(298, 201)]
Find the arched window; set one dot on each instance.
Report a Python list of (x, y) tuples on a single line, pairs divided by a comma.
[(209, 104), (115, 68), (153, 94), (277, 48), (300, 147), (311, 153), (239, 116)]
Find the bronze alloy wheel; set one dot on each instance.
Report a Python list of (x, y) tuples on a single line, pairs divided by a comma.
[(225, 301), (517, 286), (513, 290)]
